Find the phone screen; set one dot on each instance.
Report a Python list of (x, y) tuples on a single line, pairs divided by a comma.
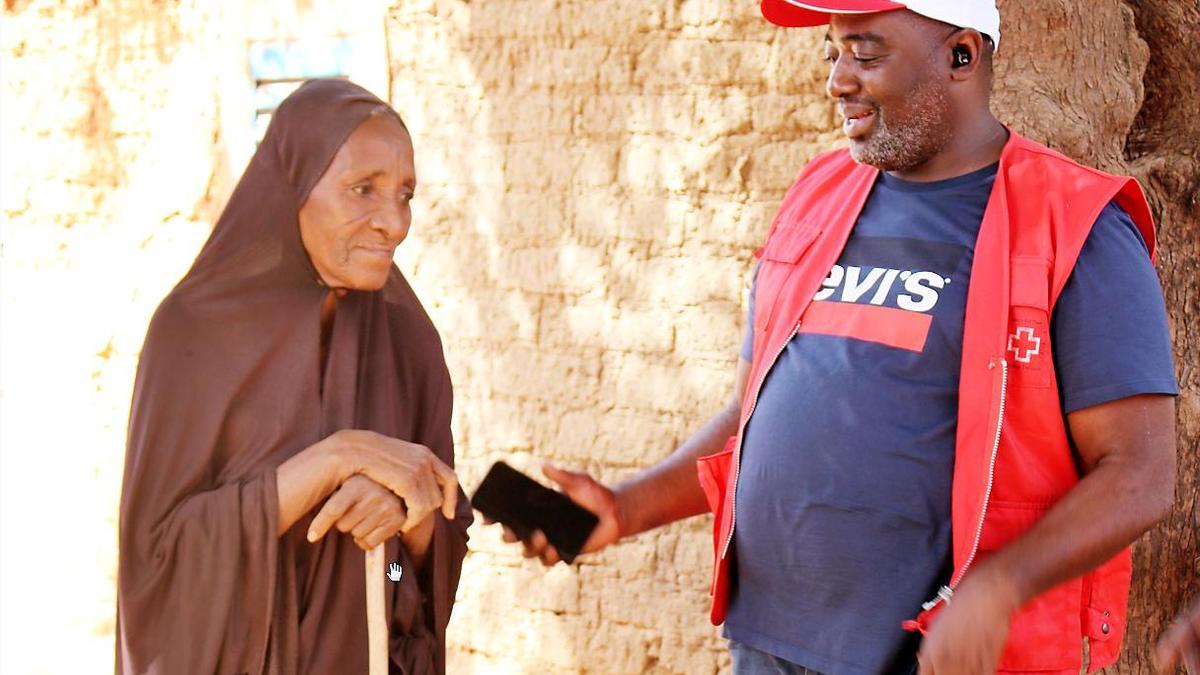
[(524, 505)]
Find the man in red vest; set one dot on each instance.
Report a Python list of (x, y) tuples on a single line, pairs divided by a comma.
[(954, 410)]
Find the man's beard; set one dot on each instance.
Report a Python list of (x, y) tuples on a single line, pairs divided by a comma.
[(918, 134)]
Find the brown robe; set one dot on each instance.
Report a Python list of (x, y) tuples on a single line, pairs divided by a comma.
[(229, 387)]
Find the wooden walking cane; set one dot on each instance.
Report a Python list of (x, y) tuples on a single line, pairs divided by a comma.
[(377, 625)]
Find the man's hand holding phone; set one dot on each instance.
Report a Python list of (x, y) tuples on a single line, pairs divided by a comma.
[(586, 492)]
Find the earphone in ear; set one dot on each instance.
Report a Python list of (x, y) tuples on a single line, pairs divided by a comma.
[(961, 56)]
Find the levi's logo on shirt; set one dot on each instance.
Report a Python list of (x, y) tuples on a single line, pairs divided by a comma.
[(911, 291), (884, 290)]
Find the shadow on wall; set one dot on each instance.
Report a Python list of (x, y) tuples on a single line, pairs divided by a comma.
[(594, 178)]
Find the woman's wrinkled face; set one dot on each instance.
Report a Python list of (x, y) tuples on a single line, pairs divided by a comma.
[(360, 209)]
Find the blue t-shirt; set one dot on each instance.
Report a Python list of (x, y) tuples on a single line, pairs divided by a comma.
[(844, 493)]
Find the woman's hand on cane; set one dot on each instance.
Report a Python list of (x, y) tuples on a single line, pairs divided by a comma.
[(362, 509), (377, 482), (409, 470)]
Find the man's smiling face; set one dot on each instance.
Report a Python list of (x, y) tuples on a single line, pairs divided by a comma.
[(887, 76)]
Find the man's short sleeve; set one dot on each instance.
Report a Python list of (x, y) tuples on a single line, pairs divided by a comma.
[(1109, 327), (748, 341)]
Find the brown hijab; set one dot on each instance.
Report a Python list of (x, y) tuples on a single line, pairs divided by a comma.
[(229, 387)]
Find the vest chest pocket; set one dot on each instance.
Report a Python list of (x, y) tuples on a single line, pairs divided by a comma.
[(779, 259), (787, 244), (1028, 348)]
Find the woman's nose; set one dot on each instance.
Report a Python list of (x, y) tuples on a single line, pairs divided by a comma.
[(393, 221)]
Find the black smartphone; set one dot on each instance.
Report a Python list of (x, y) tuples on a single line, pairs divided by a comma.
[(522, 504)]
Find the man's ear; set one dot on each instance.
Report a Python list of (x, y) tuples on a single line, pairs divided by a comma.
[(965, 50)]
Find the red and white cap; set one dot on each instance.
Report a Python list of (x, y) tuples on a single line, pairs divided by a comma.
[(981, 15)]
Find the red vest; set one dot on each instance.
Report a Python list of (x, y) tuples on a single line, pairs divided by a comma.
[(1012, 458)]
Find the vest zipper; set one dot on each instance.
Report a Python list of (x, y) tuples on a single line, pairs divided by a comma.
[(947, 592), (737, 458)]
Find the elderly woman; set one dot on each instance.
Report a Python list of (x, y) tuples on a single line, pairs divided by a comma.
[(292, 409)]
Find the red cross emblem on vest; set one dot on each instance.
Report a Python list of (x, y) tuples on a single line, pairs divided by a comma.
[(1024, 344)]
